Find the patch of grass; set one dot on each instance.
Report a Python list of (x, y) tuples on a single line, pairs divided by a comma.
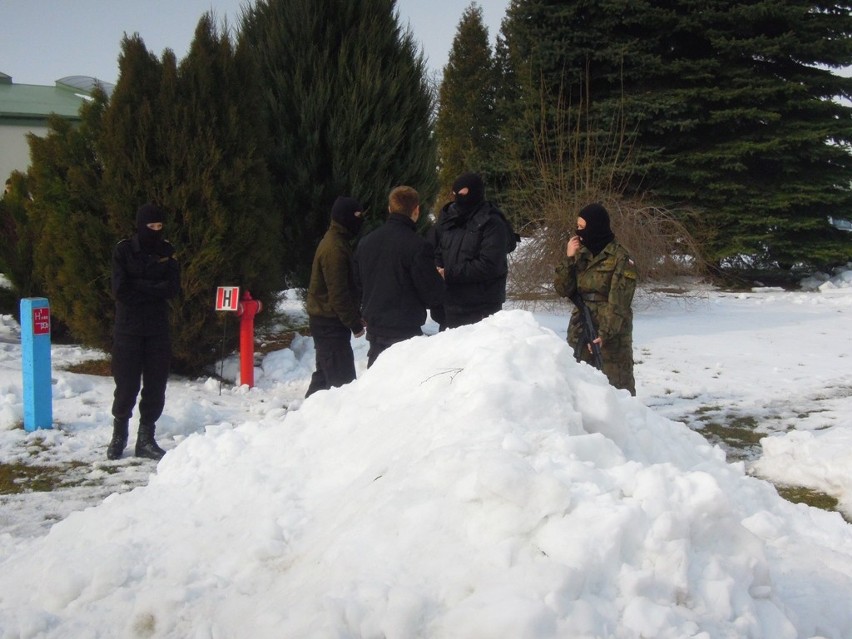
[(25, 478), (703, 410), (277, 341), (738, 437), (101, 367), (110, 468), (801, 495), (738, 430)]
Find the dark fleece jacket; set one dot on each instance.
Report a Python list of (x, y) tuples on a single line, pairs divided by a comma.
[(332, 292), (395, 268)]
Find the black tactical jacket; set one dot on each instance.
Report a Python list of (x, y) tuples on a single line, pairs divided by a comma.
[(473, 251), (142, 284)]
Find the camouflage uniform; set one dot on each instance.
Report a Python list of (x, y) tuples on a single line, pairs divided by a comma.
[(607, 282)]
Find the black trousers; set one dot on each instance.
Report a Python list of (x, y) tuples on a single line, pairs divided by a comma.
[(379, 344), (456, 317), (335, 362), (140, 361)]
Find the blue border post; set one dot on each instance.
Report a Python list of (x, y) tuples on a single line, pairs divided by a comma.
[(35, 353)]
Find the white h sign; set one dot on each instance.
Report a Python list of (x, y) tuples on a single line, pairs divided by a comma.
[(227, 298)]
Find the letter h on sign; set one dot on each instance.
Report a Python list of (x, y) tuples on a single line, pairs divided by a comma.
[(227, 298)]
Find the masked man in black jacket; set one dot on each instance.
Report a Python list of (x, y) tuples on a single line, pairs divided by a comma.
[(472, 241), (395, 268), (145, 275)]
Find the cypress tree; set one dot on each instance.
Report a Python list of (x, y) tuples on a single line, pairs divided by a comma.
[(71, 238), (184, 137), (17, 236), (733, 105), (130, 141), (466, 126), (349, 112), (215, 185)]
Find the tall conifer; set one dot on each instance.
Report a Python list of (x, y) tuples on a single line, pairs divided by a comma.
[(215, 185), (466, 126), (17, 237), (186, 138), (70, 220), (733, 103), (349, 111), (130, 138)]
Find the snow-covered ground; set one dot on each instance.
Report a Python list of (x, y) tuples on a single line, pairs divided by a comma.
[(473, 484)]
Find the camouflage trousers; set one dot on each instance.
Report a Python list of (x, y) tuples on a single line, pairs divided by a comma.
[(617, 356)]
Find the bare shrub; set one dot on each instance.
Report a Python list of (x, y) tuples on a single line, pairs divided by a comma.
[(576, 164)]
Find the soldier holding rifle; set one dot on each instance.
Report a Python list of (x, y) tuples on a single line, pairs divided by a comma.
[(598, 273)]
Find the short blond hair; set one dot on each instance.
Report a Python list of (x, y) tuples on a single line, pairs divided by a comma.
[(403, 200)]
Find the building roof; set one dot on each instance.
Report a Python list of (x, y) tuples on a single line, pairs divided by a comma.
[(29, 101)]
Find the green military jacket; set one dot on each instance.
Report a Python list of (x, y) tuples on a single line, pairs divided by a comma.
[(332, 292), (607, 282)]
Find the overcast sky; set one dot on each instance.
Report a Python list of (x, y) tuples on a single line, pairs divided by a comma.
[(44, 40)]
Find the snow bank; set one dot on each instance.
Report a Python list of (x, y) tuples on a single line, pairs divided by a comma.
[(474, 484)]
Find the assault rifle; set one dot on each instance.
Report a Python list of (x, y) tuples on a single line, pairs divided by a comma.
[(590, 334)]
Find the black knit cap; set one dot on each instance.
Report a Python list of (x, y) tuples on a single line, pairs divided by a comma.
[(597, 233), (343, 212)]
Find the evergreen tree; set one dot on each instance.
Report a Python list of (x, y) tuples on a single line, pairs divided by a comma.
[(215, 185), (733, 107), (466, 125), (136, 113), (186, 138), (16, 239), (71, 240), (349, 111)]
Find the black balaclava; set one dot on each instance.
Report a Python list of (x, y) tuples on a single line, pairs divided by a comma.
[(597, 233), (343, 212), (475, 194), (145, 215)]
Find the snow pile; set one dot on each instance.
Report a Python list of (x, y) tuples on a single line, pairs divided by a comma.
[(475, 484), (824, 282)]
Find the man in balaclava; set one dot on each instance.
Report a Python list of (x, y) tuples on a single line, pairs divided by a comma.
[(595, 233), (145, 276), (347, 212), (599, 269), (149, 226), (472, 240), (469, 192), (333, 302)]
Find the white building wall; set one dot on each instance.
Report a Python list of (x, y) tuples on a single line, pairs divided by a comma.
[(14, 150)]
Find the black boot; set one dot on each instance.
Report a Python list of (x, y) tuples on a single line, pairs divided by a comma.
[(119, 439), (145, 445)]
